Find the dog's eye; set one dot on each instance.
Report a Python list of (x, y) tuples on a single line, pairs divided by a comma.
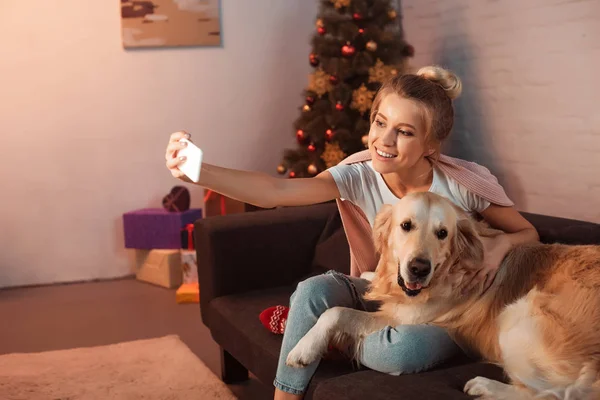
[(406, 225), (442, 233)]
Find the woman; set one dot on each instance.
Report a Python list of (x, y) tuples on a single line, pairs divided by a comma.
[(411, 116)]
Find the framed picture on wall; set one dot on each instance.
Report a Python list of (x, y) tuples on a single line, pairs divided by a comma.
[(170, 23)]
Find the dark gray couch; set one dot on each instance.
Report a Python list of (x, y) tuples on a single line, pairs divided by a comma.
[(248, 262)]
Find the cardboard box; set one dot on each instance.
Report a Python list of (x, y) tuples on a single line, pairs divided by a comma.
[(160, 267)]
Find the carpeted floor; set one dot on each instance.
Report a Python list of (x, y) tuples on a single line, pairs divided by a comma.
[(101, 313), (152, 369)]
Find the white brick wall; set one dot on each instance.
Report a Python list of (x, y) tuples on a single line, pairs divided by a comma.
[(531, 74)]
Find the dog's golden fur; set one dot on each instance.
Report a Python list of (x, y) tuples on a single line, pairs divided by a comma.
[(539, 319)]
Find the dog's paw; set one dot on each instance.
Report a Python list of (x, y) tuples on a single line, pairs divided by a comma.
[(576, 392), (303, 354), (484, 387)]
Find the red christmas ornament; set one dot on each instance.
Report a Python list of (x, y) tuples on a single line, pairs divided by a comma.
[(329, 134), (310, 100), (313, 59), (333, 79), (357, 16), (311, 147), (300, 135), (292, 174), (339, 106), (361, 31), (348, 50), (321, 30)]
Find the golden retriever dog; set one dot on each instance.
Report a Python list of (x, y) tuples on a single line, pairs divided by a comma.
[(539, 319)]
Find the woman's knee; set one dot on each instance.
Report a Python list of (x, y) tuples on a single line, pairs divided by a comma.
[(407, 349), (322, 292)]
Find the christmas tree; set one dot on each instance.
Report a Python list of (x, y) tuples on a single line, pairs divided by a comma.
[(357, 45)]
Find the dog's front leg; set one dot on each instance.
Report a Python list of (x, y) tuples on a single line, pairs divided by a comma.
[(337, 324)]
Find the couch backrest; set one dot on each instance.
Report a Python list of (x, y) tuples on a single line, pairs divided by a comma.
[(332, 251), (563, 230)]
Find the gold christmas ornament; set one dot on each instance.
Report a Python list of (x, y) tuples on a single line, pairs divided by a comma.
[(312, 169), (332, 155), (281, 169), (319, 82), (362, 99), (392, 14), (319, 23), (381, 72), (365, 140), (341, 3), (306, 108), (371, 45)]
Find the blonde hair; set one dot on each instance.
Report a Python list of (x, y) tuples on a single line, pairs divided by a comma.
[(434, 88)]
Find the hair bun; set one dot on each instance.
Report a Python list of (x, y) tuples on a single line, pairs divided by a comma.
[(446, 79)]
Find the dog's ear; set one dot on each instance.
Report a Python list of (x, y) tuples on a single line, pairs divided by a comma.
[(468, 245), (381, 227)]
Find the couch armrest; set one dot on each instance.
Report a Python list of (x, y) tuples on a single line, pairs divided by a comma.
[(257, 250)]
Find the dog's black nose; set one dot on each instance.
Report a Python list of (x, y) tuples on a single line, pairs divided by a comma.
[(419, 267)]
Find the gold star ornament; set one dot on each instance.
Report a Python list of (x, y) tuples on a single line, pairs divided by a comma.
[(332, 155), (362, 99), (319, 82)]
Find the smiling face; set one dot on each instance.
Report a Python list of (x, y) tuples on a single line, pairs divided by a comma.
[(397, 136)]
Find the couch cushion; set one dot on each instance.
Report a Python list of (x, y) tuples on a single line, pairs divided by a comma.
[(442, 383)]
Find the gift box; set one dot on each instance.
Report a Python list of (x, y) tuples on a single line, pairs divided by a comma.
[(189, 266), (156, 228), (218, 204), (188, 237), (188, 293), (160, 267)]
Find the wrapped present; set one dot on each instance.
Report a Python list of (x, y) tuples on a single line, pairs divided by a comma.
[(156, 228), (188, 293), (160, 267), (188, 237), (189, 266), (218, 204)]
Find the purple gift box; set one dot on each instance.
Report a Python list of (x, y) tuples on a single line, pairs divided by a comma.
[(156, 228)]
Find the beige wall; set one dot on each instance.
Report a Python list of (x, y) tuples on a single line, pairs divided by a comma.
[(84, 123), (532, 89)]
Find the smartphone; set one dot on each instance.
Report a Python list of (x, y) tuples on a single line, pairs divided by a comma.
[(191, 166)]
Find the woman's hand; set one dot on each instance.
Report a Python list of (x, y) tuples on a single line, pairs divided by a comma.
[(494, 251), (517, 231), (173, 161)]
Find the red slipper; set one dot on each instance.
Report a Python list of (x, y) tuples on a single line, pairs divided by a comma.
[(274, 318)]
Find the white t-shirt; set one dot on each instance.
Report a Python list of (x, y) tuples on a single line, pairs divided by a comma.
[(360, 184)]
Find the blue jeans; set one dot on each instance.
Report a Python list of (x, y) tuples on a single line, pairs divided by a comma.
[(393, 350)]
